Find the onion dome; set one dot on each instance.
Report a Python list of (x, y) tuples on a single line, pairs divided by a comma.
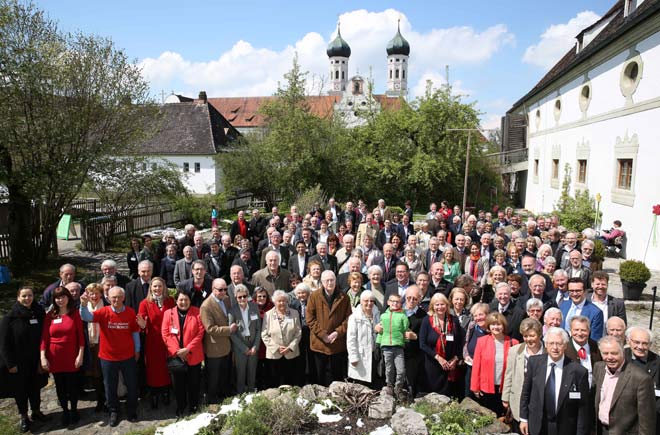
[(338, 47), (398, 44)]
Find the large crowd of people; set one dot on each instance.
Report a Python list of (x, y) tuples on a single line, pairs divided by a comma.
[(508, 310)]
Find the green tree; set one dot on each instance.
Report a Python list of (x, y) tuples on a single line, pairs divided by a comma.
[(68, 100), (575, 212)]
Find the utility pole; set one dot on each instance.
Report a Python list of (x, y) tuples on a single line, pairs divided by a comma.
[(467, 162)]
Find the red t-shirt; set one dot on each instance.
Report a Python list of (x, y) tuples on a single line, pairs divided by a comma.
[(116, 333)]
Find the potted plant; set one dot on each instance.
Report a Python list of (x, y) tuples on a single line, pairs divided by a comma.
[(634, 275), (598, 256)]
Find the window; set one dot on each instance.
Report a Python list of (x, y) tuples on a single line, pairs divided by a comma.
[(198, 167), (403, 74), (536, 168), (390, 74), (631, 74), (557, 111), (342, 75), (336, 74), (624, 174), (555, 169), (186, 167), (585, 98), (396, 74), (582, 171)]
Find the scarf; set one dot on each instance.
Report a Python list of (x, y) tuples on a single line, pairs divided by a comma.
[(474, 262), (441, 343)]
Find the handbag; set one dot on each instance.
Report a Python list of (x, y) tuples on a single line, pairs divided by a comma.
[(175, 364)]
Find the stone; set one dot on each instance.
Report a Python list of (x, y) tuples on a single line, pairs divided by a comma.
[(308, 393), (285, 398), (470, 405), (496, 427), (271, 393), (321, 392), (433, 399), (339, 389), (382, 407), (406, 421)]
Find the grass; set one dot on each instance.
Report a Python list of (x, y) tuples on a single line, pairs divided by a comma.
[(151, 430), (9, 425)]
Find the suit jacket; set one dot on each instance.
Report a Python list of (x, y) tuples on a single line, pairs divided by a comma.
[(404, 231), (236, 229), (238, 343), (514, 315), (615, 307), (381, 238), (182, 271), (196, 298), (573, 414), (135, 294), (585, 275), (228, 258), (389, 274), (232, 295), (284, 256), (652, 367), (594, 353), (427, 261), (212, 269), (631, 409), (294, 266), (329, 264), (276, 334), (392, 288), (216, 325), (590, 311), (342, 281), (263, 278)]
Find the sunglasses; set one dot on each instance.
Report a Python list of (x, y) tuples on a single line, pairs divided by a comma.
[(241, 297)]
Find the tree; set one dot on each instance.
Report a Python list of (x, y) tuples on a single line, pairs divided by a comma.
[(68, 100), (575, 212)]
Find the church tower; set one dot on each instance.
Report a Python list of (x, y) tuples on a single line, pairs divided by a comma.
[(398, 51), (338, 51)]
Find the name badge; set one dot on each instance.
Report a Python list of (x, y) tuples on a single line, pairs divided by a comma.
[(133, 259), (204, 294), (254, 317), (574, 395), (450, 337), (174, 331), (657, 393), (56, 321), (35, 321)]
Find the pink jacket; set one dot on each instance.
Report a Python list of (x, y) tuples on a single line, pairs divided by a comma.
[(193, 334)]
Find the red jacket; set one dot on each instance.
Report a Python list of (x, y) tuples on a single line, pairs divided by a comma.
[(483, 364), (193, 334)]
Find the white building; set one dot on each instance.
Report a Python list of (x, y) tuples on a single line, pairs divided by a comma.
[(598, 110)]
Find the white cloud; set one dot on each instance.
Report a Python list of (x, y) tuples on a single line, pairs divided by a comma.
[(437, 80), (245, 70), (557, 40)]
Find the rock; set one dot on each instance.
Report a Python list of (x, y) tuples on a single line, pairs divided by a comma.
[(286, 399), (321, 392), (496, 427), (339, 389), (382, 407), (308, 393), (470, 405), (433, 399), (271, 393), (406, 421)]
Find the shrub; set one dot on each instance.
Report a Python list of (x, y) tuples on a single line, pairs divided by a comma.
[(575, 212), (634, 271), (395, 209), (197, 209), (454, 420), (599, 251), (305, 201)]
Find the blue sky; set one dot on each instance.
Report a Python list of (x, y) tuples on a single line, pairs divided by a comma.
[(497, 50)]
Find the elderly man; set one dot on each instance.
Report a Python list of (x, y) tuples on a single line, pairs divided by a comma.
[(432, 254), (119, 349), (275, 246), (67, 274), (214, 260), (625, 398), (616, 327), (237, 276), (272, 277), (344, 253), (609, 305), (328, 261), (214, 314), (436, 283), (369, 227), (582, 348), (200, 249), (239, 226), (354, 265), (555, 395), (639, 354), (414, 358), (229, 254), (537, 289), (199, 286), (552, 318), (563, 252), (257, 226), (575, 269), (559, 287), (579, 305), (138, 289), (327, 316), (188, 238), (183, 267), (513, 314), (109, 268)]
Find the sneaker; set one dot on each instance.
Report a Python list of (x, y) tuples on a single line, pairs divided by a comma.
[(114, 419)]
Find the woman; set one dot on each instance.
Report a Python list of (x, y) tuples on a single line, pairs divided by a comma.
[(333, 244), (451, 266), (133, 258), (306, 369), (550, 265), (262, 299), (323, 233), (514, 260), (534, 309), (167, 266), (375, 285), (361, 339), (147, 252), (499, 243), (475, 330), (150, 319), (441, 338), (499, 259), (245, 341), (445, 227), (496, 275), (530, 246), (458, 298), (544, 252), (313, 277), (489, 363), (62, 351), (96, 301), (477, 266), (20, 338), (395, 240), (414, 263), (237, 241), (354, 288), (281, 333), (516, 367), (183, 332)]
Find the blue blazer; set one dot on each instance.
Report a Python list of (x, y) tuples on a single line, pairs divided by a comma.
[(590, 311)]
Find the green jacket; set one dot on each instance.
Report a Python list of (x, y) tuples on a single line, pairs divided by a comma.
[(395, 324)]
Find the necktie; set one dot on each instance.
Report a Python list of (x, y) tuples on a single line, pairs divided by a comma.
[(582, 353), (145, 289), (550, 393)]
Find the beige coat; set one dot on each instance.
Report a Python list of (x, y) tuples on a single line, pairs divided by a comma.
[(514, 378), (216, 340), (287, 333)]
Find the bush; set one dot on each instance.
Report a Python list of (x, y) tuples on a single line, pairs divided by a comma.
[(599, 251), (395, 209), (575, 212), (306, 200), (196, 210), (634, 271), (454, 420)]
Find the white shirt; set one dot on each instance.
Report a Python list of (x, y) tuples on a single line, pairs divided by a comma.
[(503, 308), (246, 320), (586, 363), (602, 306), (559, 369), (301, 265)]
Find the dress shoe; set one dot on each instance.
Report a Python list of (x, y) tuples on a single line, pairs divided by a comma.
[(154, 401), (74, 417), (25, 423), (133, 418), (114, 419), (100, 407), (166, 398), (39, 416), (66, 418)]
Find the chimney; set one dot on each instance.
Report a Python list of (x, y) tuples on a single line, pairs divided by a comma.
[(202, 96)]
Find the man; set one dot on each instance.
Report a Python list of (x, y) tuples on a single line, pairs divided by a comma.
[(581, 348), (433, 210), (625, 399), (367, 228), (245, 261), (213, 261), (67, 274), (256, 227), (287, 237), (514, 225), (310, 243), (344, 253), (237, 276), (461, 252), (370, 254), (513, 314), (354, 265), (616, 327), (609, 305), (298, 263), (432, 254), (562, 254), (119, 349), (531, 229), (501, 221), (528, 265), (138, 289), (215, 235), (385, 212), (327, 317), (109, 268), (348, 214), (537, 289), (559, 286), (486, 247), (388, 262), (385, 235), (406, 229), (183, 267), (437, 284), (575, 269), (442, 241), (425, 291), (229, 254), (551, 318), (217, 346), (275, 245), (188, 238), (639, 354), (456, 226), (328, 261), (239, 226), (199, 286), (401, 282), (414, 357), (579, 305), (334, 209), (200, 249), (272, 277), (555, 396)]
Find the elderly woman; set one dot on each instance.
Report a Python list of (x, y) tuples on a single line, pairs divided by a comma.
[(245, 341), (94, 293), (183, 332), (550, 265), (534, 309), (441, 340), (544, 252), (361, 340), (354, 288), (516, 366), (20, 337), (451, 266), (150, 319), (477, 266), (496, 275), (458, 298), (499, 259), (552, 318), (489, 363), (530, 246), (305, 362), (313, 277), (375, 274), (281, 333), (262, 299), (414, 263)]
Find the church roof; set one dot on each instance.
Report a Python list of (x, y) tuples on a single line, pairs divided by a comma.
[(398, 44), (338, 47)]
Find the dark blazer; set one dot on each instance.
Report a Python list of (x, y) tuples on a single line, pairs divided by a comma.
[(392, 288), (381, 238), (427, 260), (631, 409), (228, 258), (615, 306), (391, 274), (196, 298), (401, 228), (294, 266), (329, 264), (135, 294), (573, 415), (342, 281), (284, 256), (236, 229), (514, 315), (211, 269), (232, 296), (652, 367), (594, 353), (590, 311)]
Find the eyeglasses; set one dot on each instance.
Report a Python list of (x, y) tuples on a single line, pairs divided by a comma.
[(220, 289), (640, 343), (261, 296), (241, 297)]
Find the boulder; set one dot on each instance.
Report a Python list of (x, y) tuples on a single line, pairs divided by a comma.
[(434, 399), (382, 407), (406, 421), (470, 405), (339, 389), (271, 393), (308, 393), (496, 427)]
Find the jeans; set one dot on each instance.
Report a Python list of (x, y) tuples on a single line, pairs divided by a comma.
[(395, 366), (111, 371)]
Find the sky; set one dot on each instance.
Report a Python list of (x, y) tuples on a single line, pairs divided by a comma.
[(497, 50)]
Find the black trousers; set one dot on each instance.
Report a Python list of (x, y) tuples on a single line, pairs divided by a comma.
[(67, 387), (218, 378), (306, 370), (186, 387), (283, 370), (330, 368), (27, 389)]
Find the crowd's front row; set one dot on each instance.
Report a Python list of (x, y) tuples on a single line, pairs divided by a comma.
[(316, 336)]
